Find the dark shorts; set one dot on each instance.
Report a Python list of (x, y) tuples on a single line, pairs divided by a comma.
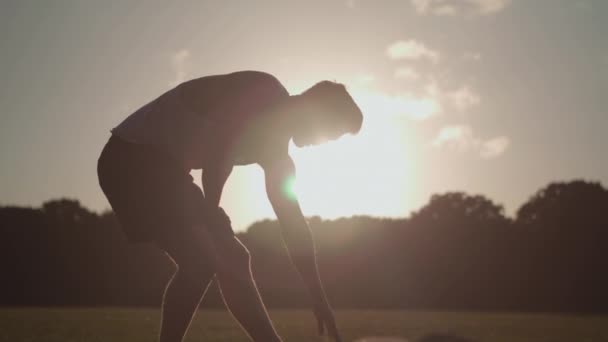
[(153, 198)]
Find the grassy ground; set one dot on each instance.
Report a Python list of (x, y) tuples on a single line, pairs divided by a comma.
[(134, 325)]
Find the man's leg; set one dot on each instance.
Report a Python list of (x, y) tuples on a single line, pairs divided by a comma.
[(230, 258), (185, 289), (240, 292)]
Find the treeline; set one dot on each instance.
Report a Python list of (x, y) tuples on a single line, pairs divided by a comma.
[(457, 252)]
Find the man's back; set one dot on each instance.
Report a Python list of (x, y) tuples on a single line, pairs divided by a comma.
[(207, 113)]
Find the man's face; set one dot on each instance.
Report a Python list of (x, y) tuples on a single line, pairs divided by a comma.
[(316, 134), (322, 121)]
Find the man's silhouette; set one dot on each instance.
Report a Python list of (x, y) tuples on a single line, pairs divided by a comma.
[(215, 123)]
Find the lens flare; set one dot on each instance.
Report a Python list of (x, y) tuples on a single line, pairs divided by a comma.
[(289, 188)]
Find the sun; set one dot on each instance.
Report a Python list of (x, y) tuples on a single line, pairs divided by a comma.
[(371, 173), (364, 174)]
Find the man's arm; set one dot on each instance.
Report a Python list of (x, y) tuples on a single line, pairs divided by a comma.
[(236, 282), (280, 175), (213, 180)]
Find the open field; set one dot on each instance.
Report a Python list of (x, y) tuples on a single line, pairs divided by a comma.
[(135, 325)]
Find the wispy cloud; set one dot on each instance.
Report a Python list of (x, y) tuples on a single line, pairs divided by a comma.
[(180, 63), (463, 98), (445, 10), (454, 7), (490, 6), (411, 49), (406, 73), (404, 105), (363, 80), (437, 7), (461, 138), (494, 147), (456, 137)]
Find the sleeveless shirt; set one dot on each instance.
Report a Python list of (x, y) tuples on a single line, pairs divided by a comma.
[(199, 115)]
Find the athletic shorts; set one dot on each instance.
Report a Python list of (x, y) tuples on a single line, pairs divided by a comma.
[(150, 194)]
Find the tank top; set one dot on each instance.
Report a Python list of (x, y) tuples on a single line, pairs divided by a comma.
[(188, 120)]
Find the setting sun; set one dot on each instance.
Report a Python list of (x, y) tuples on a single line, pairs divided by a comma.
[(365, 173)]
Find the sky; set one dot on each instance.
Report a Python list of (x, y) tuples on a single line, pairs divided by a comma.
[(492, 97)]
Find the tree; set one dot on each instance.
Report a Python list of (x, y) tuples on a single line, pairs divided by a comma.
[(458, 248), (567, 235)]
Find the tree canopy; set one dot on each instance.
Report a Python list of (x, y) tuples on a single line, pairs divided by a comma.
[(459, 251)]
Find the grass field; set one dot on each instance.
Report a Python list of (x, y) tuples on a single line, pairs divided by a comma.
[(138, 325)]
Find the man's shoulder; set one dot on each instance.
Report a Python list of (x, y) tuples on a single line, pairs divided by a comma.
[(254, 74), (259, 78), (261, 75), (244, 77)]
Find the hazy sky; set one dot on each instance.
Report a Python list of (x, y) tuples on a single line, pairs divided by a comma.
[(494, 97)]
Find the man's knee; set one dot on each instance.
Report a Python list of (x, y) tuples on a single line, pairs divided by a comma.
[(192, 255), (241, 255), (195, 270), (235, 259)]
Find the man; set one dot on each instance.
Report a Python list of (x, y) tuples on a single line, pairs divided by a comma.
[(214, 123)]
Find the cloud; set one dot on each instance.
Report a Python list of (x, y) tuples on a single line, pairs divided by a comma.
[(432, 89), (406, 73), (490, 6), (362, 80), (494, 147), (463, 98), (456, 137), (411, 49), (421, 6), (418, 108), (411, 106), (180, 63), (446, 10), (455, 7), (436, 7), (472, 56), (460, 138)]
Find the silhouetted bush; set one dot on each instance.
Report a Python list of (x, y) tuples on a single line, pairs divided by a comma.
[(457, 252)]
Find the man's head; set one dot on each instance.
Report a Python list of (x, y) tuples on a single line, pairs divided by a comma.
[(324, 112)]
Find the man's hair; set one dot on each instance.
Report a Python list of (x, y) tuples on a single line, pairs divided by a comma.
[(342, 107)]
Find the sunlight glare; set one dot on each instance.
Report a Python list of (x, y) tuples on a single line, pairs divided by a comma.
[(363, 174)]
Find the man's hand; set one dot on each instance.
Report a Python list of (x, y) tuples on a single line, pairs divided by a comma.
[(326, 320), (298, 239)]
